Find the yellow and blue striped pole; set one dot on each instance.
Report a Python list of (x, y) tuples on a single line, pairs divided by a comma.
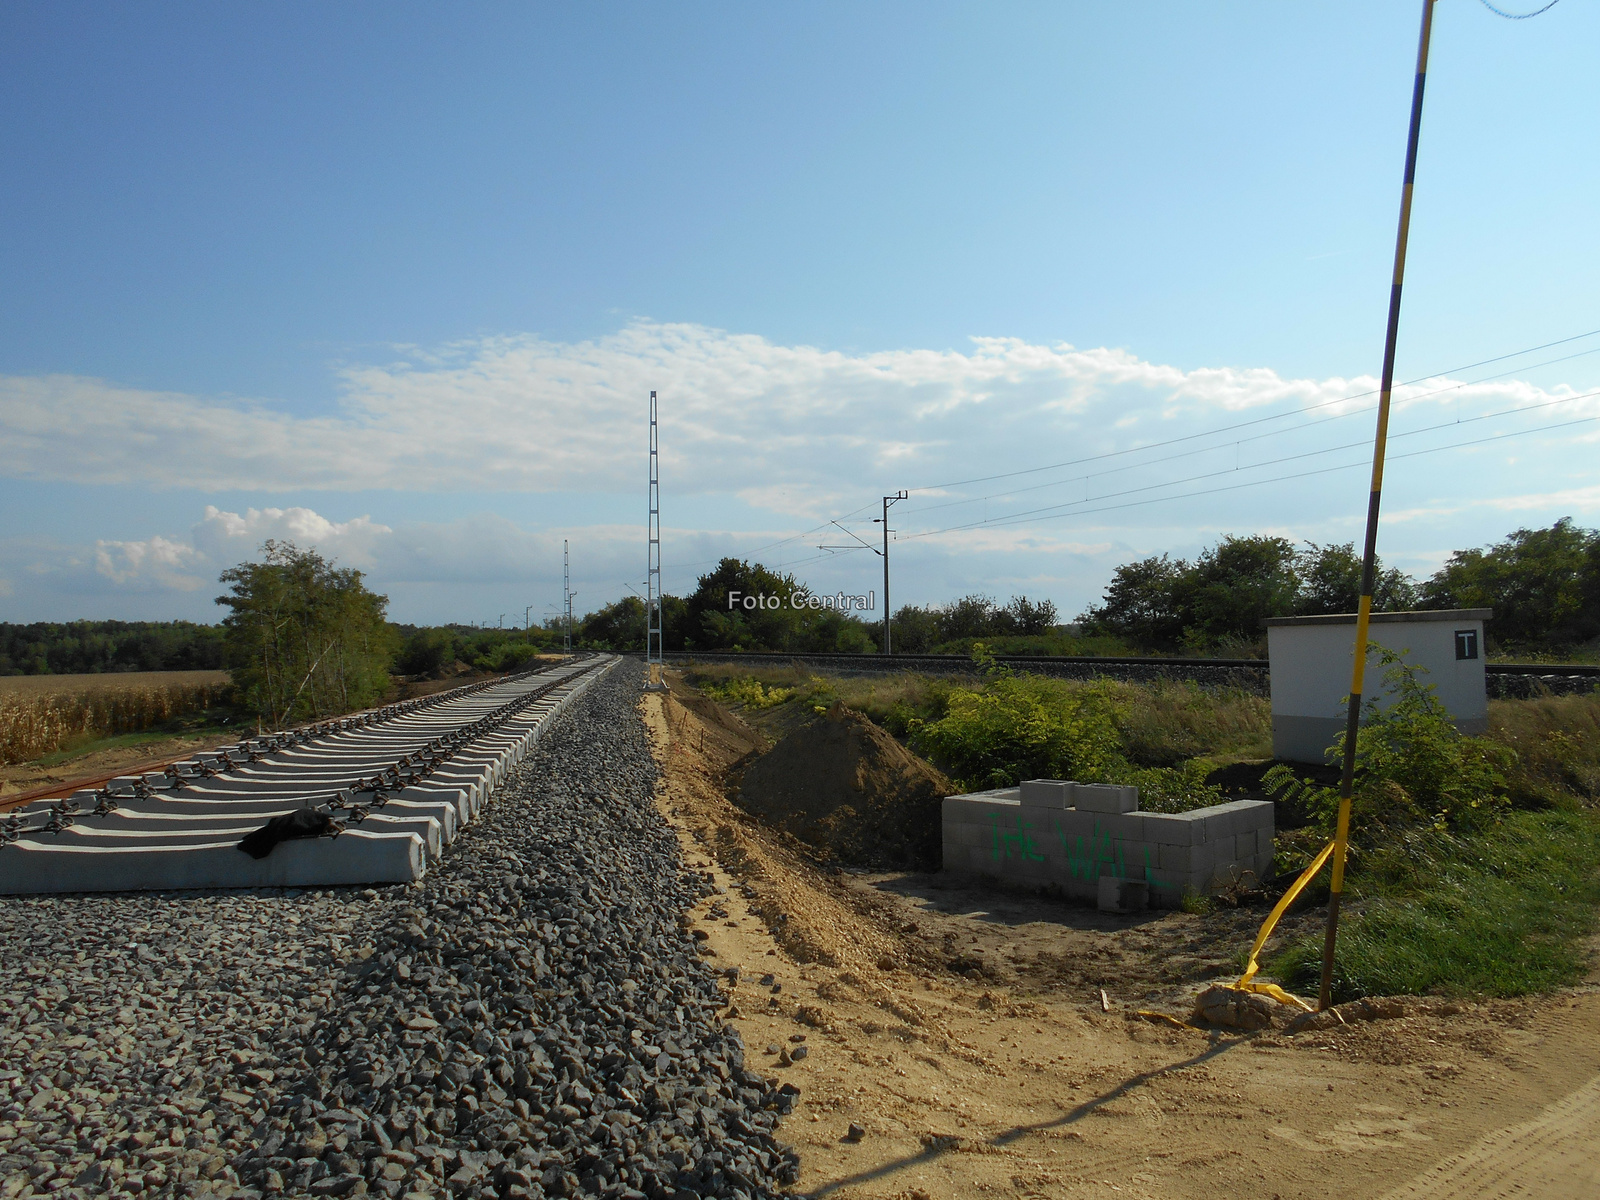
[(1369, 558)]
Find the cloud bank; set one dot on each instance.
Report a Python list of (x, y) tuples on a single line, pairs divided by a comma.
[(740, 415)]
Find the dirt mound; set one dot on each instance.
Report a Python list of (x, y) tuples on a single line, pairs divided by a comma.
[(846, 787)]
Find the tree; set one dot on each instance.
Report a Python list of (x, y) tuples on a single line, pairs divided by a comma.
[(1234, 587), (774, 622), (619, 626), (1141, 604), (1330, 582), (304, 639), (1543, 584)]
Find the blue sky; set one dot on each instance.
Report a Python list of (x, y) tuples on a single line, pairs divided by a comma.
[(396, 280)]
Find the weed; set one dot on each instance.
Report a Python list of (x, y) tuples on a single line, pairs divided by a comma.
[(1556, 740)]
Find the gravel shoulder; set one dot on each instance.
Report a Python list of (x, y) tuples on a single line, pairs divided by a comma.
[(530, 1020), (962, 1036)]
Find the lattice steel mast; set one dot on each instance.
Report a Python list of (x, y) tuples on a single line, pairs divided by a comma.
[(652, 603)]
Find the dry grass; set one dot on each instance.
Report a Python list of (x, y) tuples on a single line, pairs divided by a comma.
[(1557, 741), (1168, 722), (39, 714)]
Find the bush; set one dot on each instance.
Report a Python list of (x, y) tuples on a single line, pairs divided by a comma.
[(427, 652), (1022, 727)]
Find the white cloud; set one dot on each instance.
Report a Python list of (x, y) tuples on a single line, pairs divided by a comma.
[(740, 414), (158, 561)]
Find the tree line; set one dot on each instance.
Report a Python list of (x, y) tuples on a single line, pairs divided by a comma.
[(100, 647), (1543, 585), (705, 620)]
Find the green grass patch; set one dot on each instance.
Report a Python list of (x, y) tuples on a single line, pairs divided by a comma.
[(1501, 911)]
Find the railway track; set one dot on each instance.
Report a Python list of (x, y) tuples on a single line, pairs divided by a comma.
[(1505, 681), (370, 798)]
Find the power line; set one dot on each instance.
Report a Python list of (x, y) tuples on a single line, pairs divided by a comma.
[(1354, 412), (1519, 16), (1483, 362), (1255, 420), (1039, 514)]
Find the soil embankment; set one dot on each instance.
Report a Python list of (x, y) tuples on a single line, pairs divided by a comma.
[(963, 1036), (844, 786)]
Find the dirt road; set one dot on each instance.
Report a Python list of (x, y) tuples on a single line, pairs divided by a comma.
[(1010, 1079)]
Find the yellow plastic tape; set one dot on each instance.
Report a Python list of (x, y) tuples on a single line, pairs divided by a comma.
[(1246, 983)]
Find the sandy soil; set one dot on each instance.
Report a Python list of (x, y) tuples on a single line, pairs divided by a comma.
[(964, 1034), (160, 749)]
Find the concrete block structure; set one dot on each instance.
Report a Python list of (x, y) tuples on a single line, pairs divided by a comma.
[(400, 783), (1311, 660), (1037, 836)]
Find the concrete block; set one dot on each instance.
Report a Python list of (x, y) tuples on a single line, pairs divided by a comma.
[(1122, 895), (1105, 798), (1185, 860), (1174, 829), (1047, 793), (974, 809)]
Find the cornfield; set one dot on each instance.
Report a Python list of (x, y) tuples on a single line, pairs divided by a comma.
[(41, 714)]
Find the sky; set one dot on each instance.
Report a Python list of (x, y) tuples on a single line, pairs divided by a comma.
[(1090, 282)]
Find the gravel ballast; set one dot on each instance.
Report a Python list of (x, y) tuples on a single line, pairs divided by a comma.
[(533, 1019)]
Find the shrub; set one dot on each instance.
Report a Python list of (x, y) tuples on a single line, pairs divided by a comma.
[(1413, 766), (1023, 727)]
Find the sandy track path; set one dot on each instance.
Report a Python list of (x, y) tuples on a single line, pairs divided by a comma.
[(967, 1087), (1555, 1156)]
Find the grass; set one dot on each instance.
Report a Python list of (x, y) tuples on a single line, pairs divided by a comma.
[(1499, 912), (36, 721), (1557, 743), (209, 726)]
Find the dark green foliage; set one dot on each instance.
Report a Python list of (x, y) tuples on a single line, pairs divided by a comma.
[(710, 622), (305, 639), (619, 627), (427, 652), (93, 647), (1221, 601), (952, 628), (1330, 582), (1543, 584)]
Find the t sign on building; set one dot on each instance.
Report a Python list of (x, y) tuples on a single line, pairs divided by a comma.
[(1310, 659)]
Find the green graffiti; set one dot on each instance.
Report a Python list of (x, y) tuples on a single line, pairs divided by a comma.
[(1104, 855), (1020, 843)]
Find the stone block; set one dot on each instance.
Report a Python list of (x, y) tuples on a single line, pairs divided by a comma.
[(1185, 860), (1105, 798), (1047, 793), (1174, 829), (1122, 895)]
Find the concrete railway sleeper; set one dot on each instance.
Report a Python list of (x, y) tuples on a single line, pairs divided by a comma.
[(371, 798), (532, 1019)]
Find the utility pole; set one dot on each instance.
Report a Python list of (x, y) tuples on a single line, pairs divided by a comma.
[(1369, 557), (527, 624), (502, 621), (652, 578), (566, 600), (888, 645)]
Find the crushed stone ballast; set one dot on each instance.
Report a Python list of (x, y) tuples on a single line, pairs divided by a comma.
[(364, 799)]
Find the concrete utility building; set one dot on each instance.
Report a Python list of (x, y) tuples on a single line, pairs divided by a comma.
[(1310, 660)]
